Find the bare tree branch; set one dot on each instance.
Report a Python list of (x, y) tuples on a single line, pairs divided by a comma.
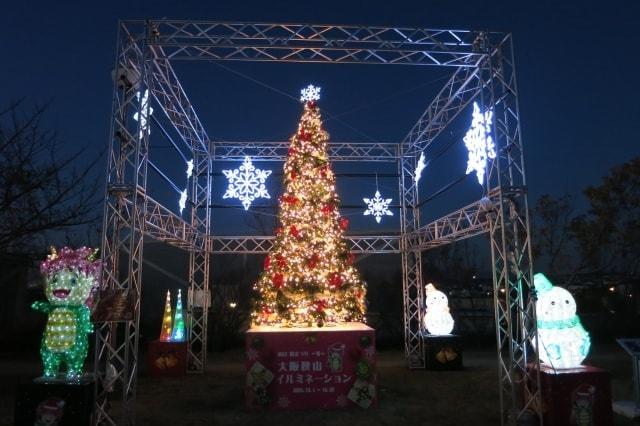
[(40, 190)]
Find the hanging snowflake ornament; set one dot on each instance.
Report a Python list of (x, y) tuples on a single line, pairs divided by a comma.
[(479, 142), (146, 111), (310, 93), (246, 183), (182, 202), (189, 168), (419, 168), (377, 206)]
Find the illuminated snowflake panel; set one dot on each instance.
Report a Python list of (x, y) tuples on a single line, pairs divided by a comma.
[(479, 142), (310, 93), (377, 206), (419, 168), (246, 183), (144, 115)]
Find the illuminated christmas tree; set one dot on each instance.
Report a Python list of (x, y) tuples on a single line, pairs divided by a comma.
[(177, 335), (165, 332), (308, 277)]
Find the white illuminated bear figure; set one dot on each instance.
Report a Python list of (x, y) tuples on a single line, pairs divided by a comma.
[(563, 342), (437, 319)]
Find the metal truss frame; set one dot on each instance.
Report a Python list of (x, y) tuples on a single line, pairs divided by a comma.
[(483, 70)]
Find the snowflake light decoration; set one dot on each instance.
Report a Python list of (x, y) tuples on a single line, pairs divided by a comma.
[(479, 142), (419, 168), (146, 111), (189, 168), (182, 202), (246, 183), (283, 402), (377, 206), (310, 93), (252, 354)]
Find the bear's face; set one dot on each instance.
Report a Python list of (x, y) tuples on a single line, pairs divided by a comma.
[(67, 287), (555, 304), (436, 300)]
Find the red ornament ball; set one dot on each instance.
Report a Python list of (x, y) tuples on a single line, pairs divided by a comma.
[(277, 280), (282, 262), (267, 262), (350, 259), (344, 223), (327, 209), (313, 262), (304, 135), (335, 280), (294, 231)]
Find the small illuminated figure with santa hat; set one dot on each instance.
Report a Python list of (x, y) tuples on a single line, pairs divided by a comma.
[(437, 320), (562, 341)]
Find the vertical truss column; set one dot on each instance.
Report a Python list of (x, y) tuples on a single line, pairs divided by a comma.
[(116, 352), (198, 303), (514, 296), (412, 291)]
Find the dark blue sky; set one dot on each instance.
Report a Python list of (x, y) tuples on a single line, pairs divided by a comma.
[(577, 65)]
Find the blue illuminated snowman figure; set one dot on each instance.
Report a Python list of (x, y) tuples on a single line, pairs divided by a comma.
[(563, 342)]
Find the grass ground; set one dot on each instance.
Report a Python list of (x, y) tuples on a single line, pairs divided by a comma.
[(467, 397)]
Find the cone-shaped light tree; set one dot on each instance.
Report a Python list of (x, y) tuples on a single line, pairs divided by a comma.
[(177, 335), (165, 332), (308, 277)]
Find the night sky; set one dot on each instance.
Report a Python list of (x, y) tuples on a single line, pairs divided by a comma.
[(577, 65)]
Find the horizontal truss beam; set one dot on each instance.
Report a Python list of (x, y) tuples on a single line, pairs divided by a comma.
[(211, 40), (163, 225), (458, 92), (278, 151), (264, 244), (464, 223)]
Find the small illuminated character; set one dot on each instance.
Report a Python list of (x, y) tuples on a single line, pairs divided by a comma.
[(49, 412), (437, 320), (582, 409), (562, 341), (71, 276)]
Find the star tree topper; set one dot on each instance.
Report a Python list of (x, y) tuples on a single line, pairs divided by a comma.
[(246, 183), (377, 206), (479, 142), (310, 93)]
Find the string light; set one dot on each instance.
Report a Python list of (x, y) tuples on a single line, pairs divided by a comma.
[(308, 277), (479, 142), (246, 183)]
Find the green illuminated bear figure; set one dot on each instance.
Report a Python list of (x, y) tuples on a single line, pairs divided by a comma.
[(71, 278)]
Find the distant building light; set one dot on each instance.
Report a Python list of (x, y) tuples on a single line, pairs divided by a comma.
[(233, 305), (612, 289)]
